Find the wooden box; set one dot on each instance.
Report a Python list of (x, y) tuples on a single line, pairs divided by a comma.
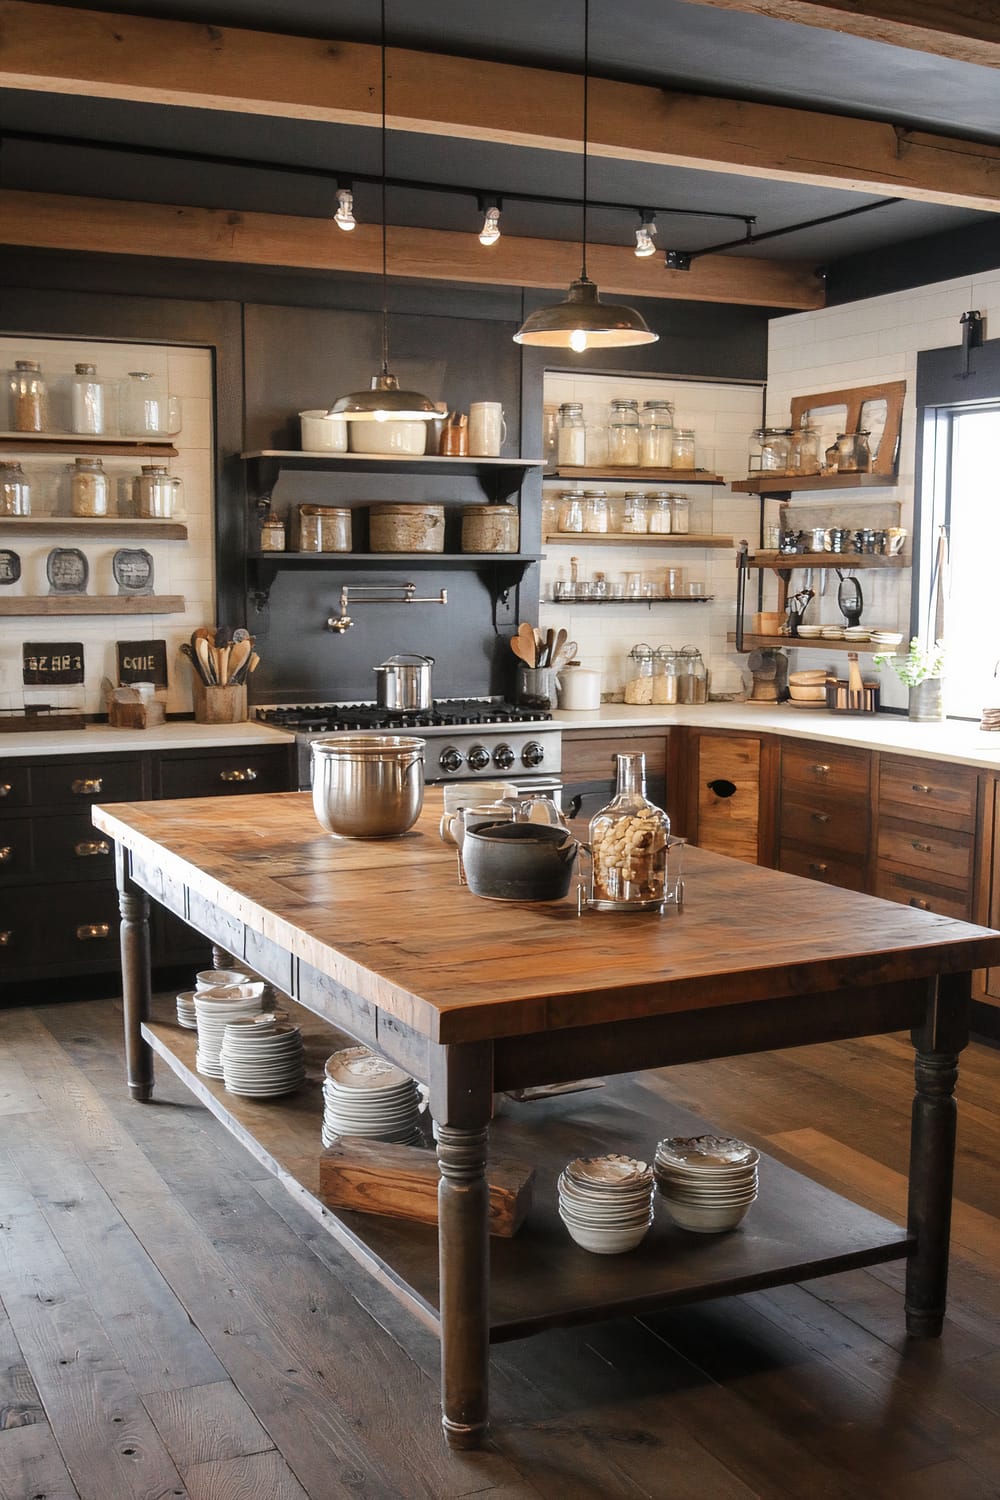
[(134, 712), (219, 705)]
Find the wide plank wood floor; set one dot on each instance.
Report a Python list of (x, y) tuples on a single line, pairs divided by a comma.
[(173, 1324)]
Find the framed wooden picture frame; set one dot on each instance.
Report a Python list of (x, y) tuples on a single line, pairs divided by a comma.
[(885, 457)]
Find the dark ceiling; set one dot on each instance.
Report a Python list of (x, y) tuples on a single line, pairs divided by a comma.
[(694, 48)]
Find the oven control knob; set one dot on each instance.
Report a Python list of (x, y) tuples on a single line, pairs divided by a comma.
[(533, 753), (479, 758), (451, 759), (503, 757)]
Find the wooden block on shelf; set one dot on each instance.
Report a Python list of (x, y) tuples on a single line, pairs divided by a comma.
[(401, 1182), (135, 714)]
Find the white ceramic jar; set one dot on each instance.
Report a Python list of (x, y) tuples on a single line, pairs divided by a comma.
[(323, 433), (405, 439)]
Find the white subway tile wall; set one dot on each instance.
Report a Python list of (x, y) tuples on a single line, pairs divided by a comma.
[(179, 567)]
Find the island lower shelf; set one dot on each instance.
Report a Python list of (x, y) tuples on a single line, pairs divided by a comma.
[(540, 1279)]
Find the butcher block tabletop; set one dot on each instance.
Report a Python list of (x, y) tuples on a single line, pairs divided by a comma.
[(389, 920)]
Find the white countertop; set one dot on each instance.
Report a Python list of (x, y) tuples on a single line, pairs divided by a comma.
[(184, 734)]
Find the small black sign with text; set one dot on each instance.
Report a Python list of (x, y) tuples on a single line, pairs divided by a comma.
[(142, 661), (52, 663)]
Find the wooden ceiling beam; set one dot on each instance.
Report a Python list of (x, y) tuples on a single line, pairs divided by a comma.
[(64, 50), (964, 30), (57, 222)]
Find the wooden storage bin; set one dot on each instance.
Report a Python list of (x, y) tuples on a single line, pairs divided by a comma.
[(219, 705)]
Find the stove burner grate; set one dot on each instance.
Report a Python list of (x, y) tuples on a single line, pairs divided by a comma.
[(330, 718)]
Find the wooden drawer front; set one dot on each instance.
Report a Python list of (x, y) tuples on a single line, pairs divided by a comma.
[(231, 772), (588, 756), (17, 851), (911, 890), (82, 781), (943, 854), (824, 825), (928, 791), (829, 868), (729, 795), (72, 927), (71, 848), (834, 772), (15, 787)]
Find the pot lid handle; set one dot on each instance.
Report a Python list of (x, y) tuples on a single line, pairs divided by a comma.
[(404, 658)]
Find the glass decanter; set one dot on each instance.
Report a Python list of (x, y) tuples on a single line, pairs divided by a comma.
[(628, 841)]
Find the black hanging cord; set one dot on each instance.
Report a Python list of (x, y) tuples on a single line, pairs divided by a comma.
[(586, 103)]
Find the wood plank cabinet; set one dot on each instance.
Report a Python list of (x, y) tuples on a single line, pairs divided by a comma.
[(588, 767), (926, 835), (824, 816)]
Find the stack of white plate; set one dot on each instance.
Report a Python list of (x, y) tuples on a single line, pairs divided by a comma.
[(363, 1094), (606, 1202), (262, 1057), (886, 637), (211, 979), (214, 1010), (707, 1182), (186, 1013)]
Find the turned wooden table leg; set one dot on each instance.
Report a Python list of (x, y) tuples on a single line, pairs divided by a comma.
[(932, 1152), (461, 1102), (136, 982)]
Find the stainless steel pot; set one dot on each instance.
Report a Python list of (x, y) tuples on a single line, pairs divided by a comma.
[(368, 786), (403, 683)]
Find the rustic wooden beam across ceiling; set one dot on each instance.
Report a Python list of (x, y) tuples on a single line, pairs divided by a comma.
[(64, 50), (964, 30), (57, 222)]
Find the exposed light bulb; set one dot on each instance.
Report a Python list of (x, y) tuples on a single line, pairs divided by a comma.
[(578, 340), (490, 232), (344, 217), (644, 240)]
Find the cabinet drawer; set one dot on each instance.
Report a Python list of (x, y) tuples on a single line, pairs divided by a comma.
[(71, 848), (230, 772), (82, 781), (944, 854), (17, 850), (819, 824), (818, 767), (590, 756), (911, 890), (69, 927), (928, 791), (829, 868), (15, 787)]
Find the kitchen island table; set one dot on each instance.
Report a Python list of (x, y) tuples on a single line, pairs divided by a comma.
[(475, 997)]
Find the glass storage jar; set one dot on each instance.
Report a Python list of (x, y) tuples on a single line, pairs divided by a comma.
[(623, 434), (489, 528), (89, 488), (683, 448), (324, 528), (572, 445), (692, 678), (145, 407), (28, 396), (15, 491), (550, 435), (155, 493), (629, 840), (680, 514), (272, 534), (571, 511), (803, 451), (853, 453), (639, 674), (414, 527), (656, 436), (775, 443), (86, 400), (658, 518), (665, 675), (595, 510), (634, 517)]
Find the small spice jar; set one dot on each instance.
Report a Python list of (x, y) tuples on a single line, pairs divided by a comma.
[(572, 436), (272, 534), (595, 510), (634, 517), (28, 396), (680, 514), (683, 448), (658, 516), (571, 511), (656, 436), (639, 674), (15, 491), (623, 434), (89, 488), (489, 528)]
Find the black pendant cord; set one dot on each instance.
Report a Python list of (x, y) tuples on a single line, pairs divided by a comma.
[(385, 257), (586, 105)]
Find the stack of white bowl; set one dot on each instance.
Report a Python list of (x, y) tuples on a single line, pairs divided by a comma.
[(215, 1009), (187, 1016), (211, 979), (707, 1182), (363, 1094), (262, 1056), (606, 1202)]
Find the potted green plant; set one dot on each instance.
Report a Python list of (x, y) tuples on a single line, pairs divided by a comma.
[(919, 670)]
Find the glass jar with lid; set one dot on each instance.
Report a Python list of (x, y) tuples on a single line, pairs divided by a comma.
[(155, 493), (86, 400), (629, 840), (680, 514), (146, 408), (272, 534), (623, 434), (595, 510), (550, 434), (634, 517), (692, 676), (775, 445), (28, 396), (656, 437), (853, 453), (639, 674), (803, 449), (89, 488), (683, 448), (665, 675), (658, 517), (572, 439), (571, 511), (15, 491)]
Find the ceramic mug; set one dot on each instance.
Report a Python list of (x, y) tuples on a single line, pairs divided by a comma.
[(487, 429)]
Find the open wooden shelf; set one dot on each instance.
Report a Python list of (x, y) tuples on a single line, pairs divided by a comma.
[(637, 539), (306, 458), (643, 476), (92, 604), (96, 528), (81, 442), (845, 561), (425, 559), (790, 484), (540, 1278), (794, 642), (645, 599)]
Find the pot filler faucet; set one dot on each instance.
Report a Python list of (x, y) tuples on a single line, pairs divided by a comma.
[(390, 593)]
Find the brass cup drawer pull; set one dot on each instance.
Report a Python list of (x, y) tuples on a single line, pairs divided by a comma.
[(6, 850), (90, 930), (5, 788), (921, 848), (921, 905), (820, 817), (88, 847), (87, 786), (817, 867), (919, 786), (821, 770), (248, 775), (6, 938)]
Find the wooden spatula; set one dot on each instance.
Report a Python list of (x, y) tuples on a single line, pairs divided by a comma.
[(526, 636)]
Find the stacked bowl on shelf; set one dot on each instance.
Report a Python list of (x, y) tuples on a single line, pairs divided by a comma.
[(706, 1182), (262, 1056), (214, 1009), (606, 1202), (364, 1094)]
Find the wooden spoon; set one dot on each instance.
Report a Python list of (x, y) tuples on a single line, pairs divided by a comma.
[(521, 651), (239, 655), (526, 636), (203, 651)]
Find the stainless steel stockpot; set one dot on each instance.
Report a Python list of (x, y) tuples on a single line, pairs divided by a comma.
[(403, 683), (368, 786)]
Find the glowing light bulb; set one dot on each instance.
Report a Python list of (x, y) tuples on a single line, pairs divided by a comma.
[(578, 340), (490, 232), (344, 217)]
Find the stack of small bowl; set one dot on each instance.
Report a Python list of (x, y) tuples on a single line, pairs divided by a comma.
[(606, 1202), (807, 689), (208, 979), (364, 1094), (215, 1008), (706, 1182), (262, 1056)]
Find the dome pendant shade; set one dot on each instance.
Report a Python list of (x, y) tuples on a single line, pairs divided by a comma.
[(384, 402), (583, 321)]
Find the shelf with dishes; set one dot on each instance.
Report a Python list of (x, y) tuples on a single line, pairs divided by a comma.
[(96, 528), (620, 475), (92, 604), (607, 599), (752, 642), (844, 561), (789, 484), (637, 539)]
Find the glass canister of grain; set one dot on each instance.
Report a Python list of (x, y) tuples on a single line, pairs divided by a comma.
[(680, 514), (489, 528), (88, 488), (15, 491), (665, 675), (595, 510), (803, 449), (406, 528), (571, 511), (683, 448), (324, 528), (634, 519), (28, 396), (639, 674), (692, 676), (658, 518), (623, 434), (157, 494), (572, 441), (656, 436), (629, 839), (86, 400), (272, 534)]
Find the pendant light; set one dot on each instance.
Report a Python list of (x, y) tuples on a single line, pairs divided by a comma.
[(384, 401), (583, 321)]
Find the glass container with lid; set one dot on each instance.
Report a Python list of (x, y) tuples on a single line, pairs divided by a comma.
[(639, 674), (15, 491), (155, 493), (656, 438), (86, 400), (595, 510), (623, 434), (571, 511), (634, 517), (89, 488), (572, 437), (853, 453), (28, 397), (803, 450), (683, 448), (773, 444), (629, 839), (658, 518), (145, 407), (680, 513), (665, 675), (692, 679)]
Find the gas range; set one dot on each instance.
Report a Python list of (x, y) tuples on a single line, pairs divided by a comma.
[(467, 737)]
